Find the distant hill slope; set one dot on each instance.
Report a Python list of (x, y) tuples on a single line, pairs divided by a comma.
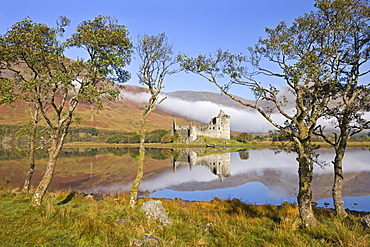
[(121, 114), (125, 114), (186, 106), (218, 98)]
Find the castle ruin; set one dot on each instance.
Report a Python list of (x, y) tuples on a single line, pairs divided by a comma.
[(218, 127)]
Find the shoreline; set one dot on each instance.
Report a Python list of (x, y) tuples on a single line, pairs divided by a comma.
[(249, 145), (99, 196)]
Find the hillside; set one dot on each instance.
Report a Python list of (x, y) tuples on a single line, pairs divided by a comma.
[(122, 114), (217, 98), (186, 106), (221, 99)]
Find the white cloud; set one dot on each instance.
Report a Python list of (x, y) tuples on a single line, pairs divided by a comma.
[(203, 111)]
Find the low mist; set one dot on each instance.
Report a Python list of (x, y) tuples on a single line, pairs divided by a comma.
[(248, 120), (202, 111)]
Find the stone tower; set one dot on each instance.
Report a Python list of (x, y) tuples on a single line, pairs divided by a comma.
[(218, 127)]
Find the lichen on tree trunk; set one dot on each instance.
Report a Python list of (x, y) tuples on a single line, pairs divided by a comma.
[(27, 182), (305, 193), (338, 182), (56, 146), (305, 174), (45, 181), (134, 189), (31, 169)]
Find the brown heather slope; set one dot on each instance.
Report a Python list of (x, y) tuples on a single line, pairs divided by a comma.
[(122, 115)]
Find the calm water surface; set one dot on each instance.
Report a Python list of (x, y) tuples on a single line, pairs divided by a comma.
[(267, 178), (254, 176)]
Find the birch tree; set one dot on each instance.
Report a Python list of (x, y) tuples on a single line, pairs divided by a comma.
[(156, 59), (352, 91), (29, 52)]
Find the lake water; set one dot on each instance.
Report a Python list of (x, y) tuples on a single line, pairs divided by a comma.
[(254, 176)]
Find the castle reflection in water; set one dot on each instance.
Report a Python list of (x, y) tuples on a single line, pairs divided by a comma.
[(219, 164)]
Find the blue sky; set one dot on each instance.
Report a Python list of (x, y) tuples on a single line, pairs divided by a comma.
[(192, 26)]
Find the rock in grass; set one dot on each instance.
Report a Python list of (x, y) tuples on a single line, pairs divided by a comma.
[(97, 196), (149, 240), (52, 195), (15, 191), (121, 222), (100, 196), (365, 221), (155, 211), (136, 243), (209, 227)]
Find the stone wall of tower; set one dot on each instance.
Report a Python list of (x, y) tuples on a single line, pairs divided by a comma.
[(218, 127)]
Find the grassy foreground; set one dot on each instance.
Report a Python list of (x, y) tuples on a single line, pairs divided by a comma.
[(86, 222)]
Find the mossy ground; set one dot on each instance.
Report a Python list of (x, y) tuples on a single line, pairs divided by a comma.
[(86, 222)]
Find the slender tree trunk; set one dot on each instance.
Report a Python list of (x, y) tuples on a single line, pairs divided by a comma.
[(134, 190), (305, 174), (31, 169), (56, 147), (338, 180), (46, 179), (92, 116)]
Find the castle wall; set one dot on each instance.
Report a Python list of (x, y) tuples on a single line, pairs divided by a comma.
[(218, 127)]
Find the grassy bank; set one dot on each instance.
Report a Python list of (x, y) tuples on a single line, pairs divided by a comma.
[(86, 222)]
